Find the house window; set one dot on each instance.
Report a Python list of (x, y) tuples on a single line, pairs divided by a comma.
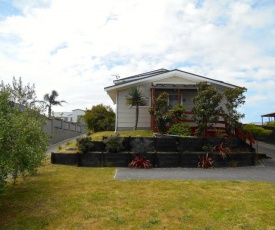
[(173, 100)]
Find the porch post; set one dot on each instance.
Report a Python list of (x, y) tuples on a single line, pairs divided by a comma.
[(152, 105)]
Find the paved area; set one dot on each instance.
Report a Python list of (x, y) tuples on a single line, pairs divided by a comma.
[(255, 173), (54, 147), (264, 171)]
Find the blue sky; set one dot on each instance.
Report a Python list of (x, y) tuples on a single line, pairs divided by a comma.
[(76, 47)]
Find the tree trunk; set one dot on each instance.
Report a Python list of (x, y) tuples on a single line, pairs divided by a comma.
[(50, 112), (137, 112)]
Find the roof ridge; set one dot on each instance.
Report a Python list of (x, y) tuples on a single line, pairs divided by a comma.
[(141, 76), (146, 73)]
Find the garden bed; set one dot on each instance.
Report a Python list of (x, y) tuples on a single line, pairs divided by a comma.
[(165, 152)]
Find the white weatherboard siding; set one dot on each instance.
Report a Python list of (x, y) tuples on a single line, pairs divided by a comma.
[(126, 115)]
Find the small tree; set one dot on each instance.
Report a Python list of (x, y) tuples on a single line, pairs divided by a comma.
[(206, 107), (23, 142), (234, 99), (161, 112), (50, 100), (100, 118), (135, 98)]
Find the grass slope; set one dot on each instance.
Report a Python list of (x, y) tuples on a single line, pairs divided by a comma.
[(68, 197), (132, 133)]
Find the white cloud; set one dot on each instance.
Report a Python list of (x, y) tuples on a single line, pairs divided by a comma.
[(75, 47)]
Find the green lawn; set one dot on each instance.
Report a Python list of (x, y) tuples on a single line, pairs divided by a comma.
[(68, 197), (133, 133)]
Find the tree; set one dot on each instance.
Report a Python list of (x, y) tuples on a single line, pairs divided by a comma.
[(23, 142), (135, 98), (50, 100), (234, 99), (206, 107), (162, 113), (100, 118)]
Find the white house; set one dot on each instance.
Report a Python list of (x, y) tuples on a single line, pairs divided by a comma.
[(70, 116), (180, 85)]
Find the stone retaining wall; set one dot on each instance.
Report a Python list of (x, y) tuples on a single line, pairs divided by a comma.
[(158, 160)]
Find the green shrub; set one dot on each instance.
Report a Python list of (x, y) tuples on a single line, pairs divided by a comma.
[(256, 131), (89, 133), (113, 143), (68, 143), (180, 128), (271, 124), (179, 112), (84, 144)]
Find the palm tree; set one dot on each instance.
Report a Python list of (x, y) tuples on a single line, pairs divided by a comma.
[(50, 101), (135, 98)]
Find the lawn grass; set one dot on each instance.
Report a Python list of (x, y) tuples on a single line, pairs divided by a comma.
[(68, 197), (133, 133)]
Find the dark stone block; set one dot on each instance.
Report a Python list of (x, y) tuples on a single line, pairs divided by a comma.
[(64, 158), (90, 159), (191, 144), (167, 144), (168, 160), (116, 159), (98, 146)]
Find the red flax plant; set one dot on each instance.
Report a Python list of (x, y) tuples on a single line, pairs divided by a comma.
[(140, 162), (205, 162), (223, 151)]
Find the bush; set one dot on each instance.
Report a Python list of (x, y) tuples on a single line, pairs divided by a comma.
[(179, 112), (84, 144), (256, 131), (271, 124), (113, 143), (180, 128)]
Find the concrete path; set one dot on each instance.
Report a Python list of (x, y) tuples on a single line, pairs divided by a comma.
[(264, 171), (54, 148)]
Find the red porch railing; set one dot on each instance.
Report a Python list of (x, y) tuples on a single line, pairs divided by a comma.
[(220, 126)]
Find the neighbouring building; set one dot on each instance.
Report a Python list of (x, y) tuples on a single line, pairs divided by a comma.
[(269, 116), (73, 116), (180, 85)]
